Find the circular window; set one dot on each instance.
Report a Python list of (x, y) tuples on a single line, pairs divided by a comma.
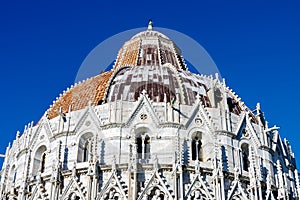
[(143, 116), (198, 121)]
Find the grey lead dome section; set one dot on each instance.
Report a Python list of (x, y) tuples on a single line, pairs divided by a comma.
[(161, 83), (149, 129)]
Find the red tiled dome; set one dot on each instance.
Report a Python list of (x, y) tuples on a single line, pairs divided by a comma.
[(78, 97)]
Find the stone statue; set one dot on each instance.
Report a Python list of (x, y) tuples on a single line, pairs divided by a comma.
[(112, 195), (73, 196), (197, 195), (156, 195)]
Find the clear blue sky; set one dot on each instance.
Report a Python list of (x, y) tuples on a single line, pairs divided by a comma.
[(256, 46)]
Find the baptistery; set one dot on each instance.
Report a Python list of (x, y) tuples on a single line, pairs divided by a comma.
[(149, 128)]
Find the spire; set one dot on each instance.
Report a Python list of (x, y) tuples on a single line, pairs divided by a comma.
[(280, 175), (297, 182), (258, 107), (252, 169), (150, 25), (18, 135)]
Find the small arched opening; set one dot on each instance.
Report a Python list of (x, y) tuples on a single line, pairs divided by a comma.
[(245, 156), (143, 146), (84, 147), (196, 145)]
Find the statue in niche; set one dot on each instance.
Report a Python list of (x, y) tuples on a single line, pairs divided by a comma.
[(112, 195), (236, 197), (156, 194), (218, 95), (196, 195), (73, 196)]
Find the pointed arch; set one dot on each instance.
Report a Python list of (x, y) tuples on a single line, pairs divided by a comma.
[(113, 189), (199, 190), (156, 188), (237, 191), (43, 133), (74, 190), (38, 193), (143, 104)]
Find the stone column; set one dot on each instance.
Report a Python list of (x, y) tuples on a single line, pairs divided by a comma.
[(143, 147), (197, 151)]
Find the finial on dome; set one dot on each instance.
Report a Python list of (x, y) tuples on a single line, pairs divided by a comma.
[(150, 25), (18, 134)]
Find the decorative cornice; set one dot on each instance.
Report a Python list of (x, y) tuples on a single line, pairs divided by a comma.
[(226, 133)]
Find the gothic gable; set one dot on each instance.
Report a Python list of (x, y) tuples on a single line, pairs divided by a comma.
[(142, 111), (199, 116), (38, 193), (270, 195), (74, 187), (237, 191), (241, 127), (113, 189), (43, 132), (199, 190), (88, 120), (252, 133), (156, 188)]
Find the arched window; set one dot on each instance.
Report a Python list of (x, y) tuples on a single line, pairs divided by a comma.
[(39, 162), (245, 156), (12, 174), (84, 147), (143, 146), (197, 151)]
